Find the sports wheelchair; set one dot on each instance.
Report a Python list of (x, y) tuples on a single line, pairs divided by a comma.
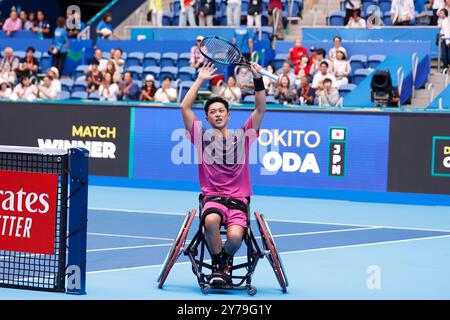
[(197, 247)]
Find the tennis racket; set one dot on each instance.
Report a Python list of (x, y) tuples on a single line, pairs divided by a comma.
[(221, 51)]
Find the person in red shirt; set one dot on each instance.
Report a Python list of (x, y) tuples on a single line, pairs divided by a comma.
[(297, 53)]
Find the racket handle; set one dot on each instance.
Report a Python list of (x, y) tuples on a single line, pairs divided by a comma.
[(268, 74)]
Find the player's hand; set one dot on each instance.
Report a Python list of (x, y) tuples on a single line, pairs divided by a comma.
[(207, 72), (254, 69)]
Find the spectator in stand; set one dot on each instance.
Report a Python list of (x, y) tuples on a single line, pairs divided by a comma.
[(302, 70), (28, 65), (444, 22), (269, 83), (53, 73), (166, 93), (305, 94), (10, 59), (234, 13), (111, 68), (323, 74), (108, 90), (25, 90), (2, 20), (156, 12), (337, 41), (187, 13), (98, 55), (74, 25), (315, 65), (105, 28), (436, 5), (148, 90), (329, 96), (94, 77), (230, 91), (296, 53), (61, 42), (288, 72), (276, 4), (12, 24), (350, 7), (254, 13), (116, 57), (244, 81), (341, 68), (205, 12), (7, 75), (128, 89), (402, 12), (5, 90), (197, 59), (26, 24), (284, 93), (46, 91), (41, 26), (356, 21)]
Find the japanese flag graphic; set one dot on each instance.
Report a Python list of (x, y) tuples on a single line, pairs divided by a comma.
[(338, 134)]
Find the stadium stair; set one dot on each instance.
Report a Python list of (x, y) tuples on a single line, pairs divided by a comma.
[(423, 97)]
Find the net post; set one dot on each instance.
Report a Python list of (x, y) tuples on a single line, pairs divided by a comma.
[(76, 267)]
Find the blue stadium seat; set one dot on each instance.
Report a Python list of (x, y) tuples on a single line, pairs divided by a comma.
[(374, 60), (346, 89), (79, 86), (151, 59), (168, 71), (94, 96), (387, 19), (169, 59), (244, 7), (38, 55), (367, 4), (135, 59), (249, 99), (358, 61), (79, 95), (45, 62), (79, 71), (66, 84), (185, 86), (136, 72), (385, 5), (153, 70), (106, 55), (138, 83), (279, 59), (184, 59), (359, 75), (20, 54), (176, 20), (186, 73), (265, 19), (336, 18), (167, 18), (271, 100), (65, 95)]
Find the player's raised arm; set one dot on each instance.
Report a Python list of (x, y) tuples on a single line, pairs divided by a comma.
[(260, 97), (206, 73)]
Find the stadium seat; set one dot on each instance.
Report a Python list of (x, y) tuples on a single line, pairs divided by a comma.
[(20, 54), (65, 95), (106, 55), (358, 61), (79, 86), (424, 19), (169, 59), (45, 62), (249, 99), (135, 59), (184, 59), (94, 96), (359, 75), (186, 73), (66, 84), (38, 55), (79, 71), (176, 20), (279, 59), (387, 19), (271, 100), (336, 18), (138, 83), (168, 71), (167, 18), (136, 72), (151, 59), (367, 4), (244, 7), (374, 60), (265, 19), (79, 95), (185, 86), (346, 89), (153, 70), (385, 5)]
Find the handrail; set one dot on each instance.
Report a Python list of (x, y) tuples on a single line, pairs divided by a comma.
[(400, 75), (85, 33), (276, 18), (430, 89), (446, 74), (102, 12), (340, 103), (439, 53), (415, 65), (314, 12), (440, 104)]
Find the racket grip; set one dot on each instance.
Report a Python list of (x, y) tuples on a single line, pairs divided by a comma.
[(268, 74)]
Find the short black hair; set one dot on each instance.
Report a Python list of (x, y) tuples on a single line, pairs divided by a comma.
[(214, 100), (325, 63), (327, 80), (167, 77), (31, 49), (321, 51), (95, 61), (337, 38)]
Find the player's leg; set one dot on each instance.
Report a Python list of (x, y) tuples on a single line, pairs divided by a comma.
[(235, 234), (250, 20), (212, 233)]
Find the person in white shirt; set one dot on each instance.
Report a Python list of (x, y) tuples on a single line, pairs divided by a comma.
[(108, 90), (56, 87), (187, 13), (341, 68), (436, 5), (5, 90), (7, 75), (25, 90), (288, 72), (337, 41), (323, 73), (234, 13), (329, 96), (350, 7), (444, 23), (116, 57), (231, 92), (356, 21), (269, 83), (98, 55), (402, 12), (166, 93), (46, 91)]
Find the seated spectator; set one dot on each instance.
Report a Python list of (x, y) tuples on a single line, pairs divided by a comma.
[(254, 13), (230, 91), (166, 93), (128, 89), (205, 12), (46, 91), (234, 13), (337, 41), (41, 26), (288, 72), (148, 90), (284, 93), (356, 21), (111, 68), (297, 53), (302, 70), (7, 75), (28, 65), (26, 24), (350, 7), (329, 96), (156, 12), (105, 28), (116, 57), (108, 90), (75, 23), (10, 59), (244, 81), (341, 68), (269, 83), (24, 90), (305, 94), (318, 58), (187, 13), (444, 33), (98, 55), (197, 59), (323, 74), (12, 24), (94, 77), (5, 90), (53, 74), (402, 12)]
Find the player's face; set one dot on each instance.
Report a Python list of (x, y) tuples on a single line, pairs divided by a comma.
[(218, 115)]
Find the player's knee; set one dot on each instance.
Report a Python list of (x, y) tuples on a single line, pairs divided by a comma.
[(212, 222), (235, 236)]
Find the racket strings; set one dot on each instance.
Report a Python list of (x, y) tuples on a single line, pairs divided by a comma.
[(220, 51)]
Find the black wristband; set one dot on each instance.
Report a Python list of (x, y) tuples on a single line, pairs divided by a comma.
[(259, 84)]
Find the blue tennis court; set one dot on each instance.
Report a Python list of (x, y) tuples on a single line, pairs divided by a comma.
[(327, 248)]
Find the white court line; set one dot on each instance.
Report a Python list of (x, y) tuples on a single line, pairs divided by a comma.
[(274, 220), (126, 236), (283, 253), (132, 247)]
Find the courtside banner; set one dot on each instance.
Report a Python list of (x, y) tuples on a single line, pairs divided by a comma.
[(103, 130), (28, 211)]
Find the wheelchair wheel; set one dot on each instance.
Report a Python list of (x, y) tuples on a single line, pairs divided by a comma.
[(271, 251), (175, 249)]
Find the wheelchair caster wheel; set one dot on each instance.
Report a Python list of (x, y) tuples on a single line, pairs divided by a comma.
[(205, 288), (251, 290)]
